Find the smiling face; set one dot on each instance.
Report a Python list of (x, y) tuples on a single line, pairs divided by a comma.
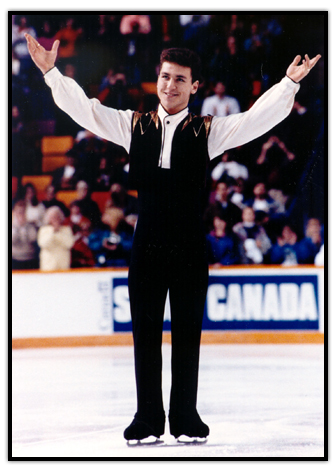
[(174, 87)]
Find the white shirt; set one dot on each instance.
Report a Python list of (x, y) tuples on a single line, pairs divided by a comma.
[(225, 132), (220, 107)]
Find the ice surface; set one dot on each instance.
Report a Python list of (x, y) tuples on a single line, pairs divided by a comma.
[(260, 401)]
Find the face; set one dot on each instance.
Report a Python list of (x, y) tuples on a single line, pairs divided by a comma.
[(50, 193), (248, 215), (221, 191), (219, 224), (174, 87), (220, 89), (30, 193), (82, 190), (55, 219), (259, 189), (20, 214)]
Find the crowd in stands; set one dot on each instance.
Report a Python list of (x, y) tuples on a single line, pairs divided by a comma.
[(250, 191)]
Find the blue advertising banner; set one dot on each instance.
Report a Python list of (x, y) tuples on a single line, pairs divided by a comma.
[(242, 302)]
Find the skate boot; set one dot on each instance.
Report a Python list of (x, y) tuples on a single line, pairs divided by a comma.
[(188, 427), (139, 429)]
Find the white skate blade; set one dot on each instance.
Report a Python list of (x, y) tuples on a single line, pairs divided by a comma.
[(151, 440), (185, 439)]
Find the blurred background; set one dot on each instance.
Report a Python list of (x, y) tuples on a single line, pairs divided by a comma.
[(114, 57)]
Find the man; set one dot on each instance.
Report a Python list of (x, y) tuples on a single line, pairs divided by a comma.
[(169, 150), (220, 104)]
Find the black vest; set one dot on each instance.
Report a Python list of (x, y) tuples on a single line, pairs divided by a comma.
[(170, 200), (189, 155)]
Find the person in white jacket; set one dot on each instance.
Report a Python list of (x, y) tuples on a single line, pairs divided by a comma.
[(55, 241), (169, 149)]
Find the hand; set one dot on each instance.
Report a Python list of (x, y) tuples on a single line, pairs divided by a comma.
[(296, 72), (44, 60)]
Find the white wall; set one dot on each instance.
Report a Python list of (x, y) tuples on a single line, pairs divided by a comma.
[(91, 302)]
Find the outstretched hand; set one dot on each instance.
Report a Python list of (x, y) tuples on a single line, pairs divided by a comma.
[(298, 72), (44, 60)]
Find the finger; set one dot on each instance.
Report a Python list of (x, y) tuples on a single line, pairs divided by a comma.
[(306, 62), (32, 44), (30, 40), (314, 60), (55, 46), (296, 60)]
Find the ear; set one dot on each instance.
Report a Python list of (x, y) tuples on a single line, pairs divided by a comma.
[(194, 87)]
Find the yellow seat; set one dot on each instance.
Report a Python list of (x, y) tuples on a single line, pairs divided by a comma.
[(56, 145), (39, 182), (66, 197), (149, 87), (50, 163)]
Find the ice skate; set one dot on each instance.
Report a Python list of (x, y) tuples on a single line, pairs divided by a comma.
[(188, 428), (140, 432)]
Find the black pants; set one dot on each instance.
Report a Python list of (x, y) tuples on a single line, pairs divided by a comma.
[(153, 270)]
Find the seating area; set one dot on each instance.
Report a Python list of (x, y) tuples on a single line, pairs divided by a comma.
[(54, 149)]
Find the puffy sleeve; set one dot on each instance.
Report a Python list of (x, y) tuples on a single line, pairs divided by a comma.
[(241, 128), (108, 123)]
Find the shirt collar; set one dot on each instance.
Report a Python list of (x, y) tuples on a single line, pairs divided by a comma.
[(176, 118)]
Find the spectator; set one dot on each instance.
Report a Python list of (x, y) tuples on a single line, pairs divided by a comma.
[(220, 104), (311, 244), (131, 23), (19, 43), (195, 31), (81, 254), (136, 31), (319, 258), (238, 195), (286, 249), (254, 242), (88, 207), (273, 162), (112, 246), (222, 247), (55, 241), (24, 239), (121, 199), (35, 210), (67, 176), (220, 203), (75, 217), (228, 64), (102, 179), (68, 36), (113, 90), (229, 167), (261, 201), (52, 201)]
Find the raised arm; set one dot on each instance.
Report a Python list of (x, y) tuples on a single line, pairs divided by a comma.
[(269, 110), (107, 123)]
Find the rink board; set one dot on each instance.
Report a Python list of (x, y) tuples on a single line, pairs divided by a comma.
[(94, 303)]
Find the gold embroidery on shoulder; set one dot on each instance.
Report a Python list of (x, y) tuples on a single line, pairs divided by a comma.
[(136, 118), (187, 121), (155, 118), (207, 124)]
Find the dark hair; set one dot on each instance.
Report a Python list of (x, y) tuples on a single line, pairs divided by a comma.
[(23, 193), (183, 57)]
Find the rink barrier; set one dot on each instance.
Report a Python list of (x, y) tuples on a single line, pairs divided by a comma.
[(207, 339), (90, 307)]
